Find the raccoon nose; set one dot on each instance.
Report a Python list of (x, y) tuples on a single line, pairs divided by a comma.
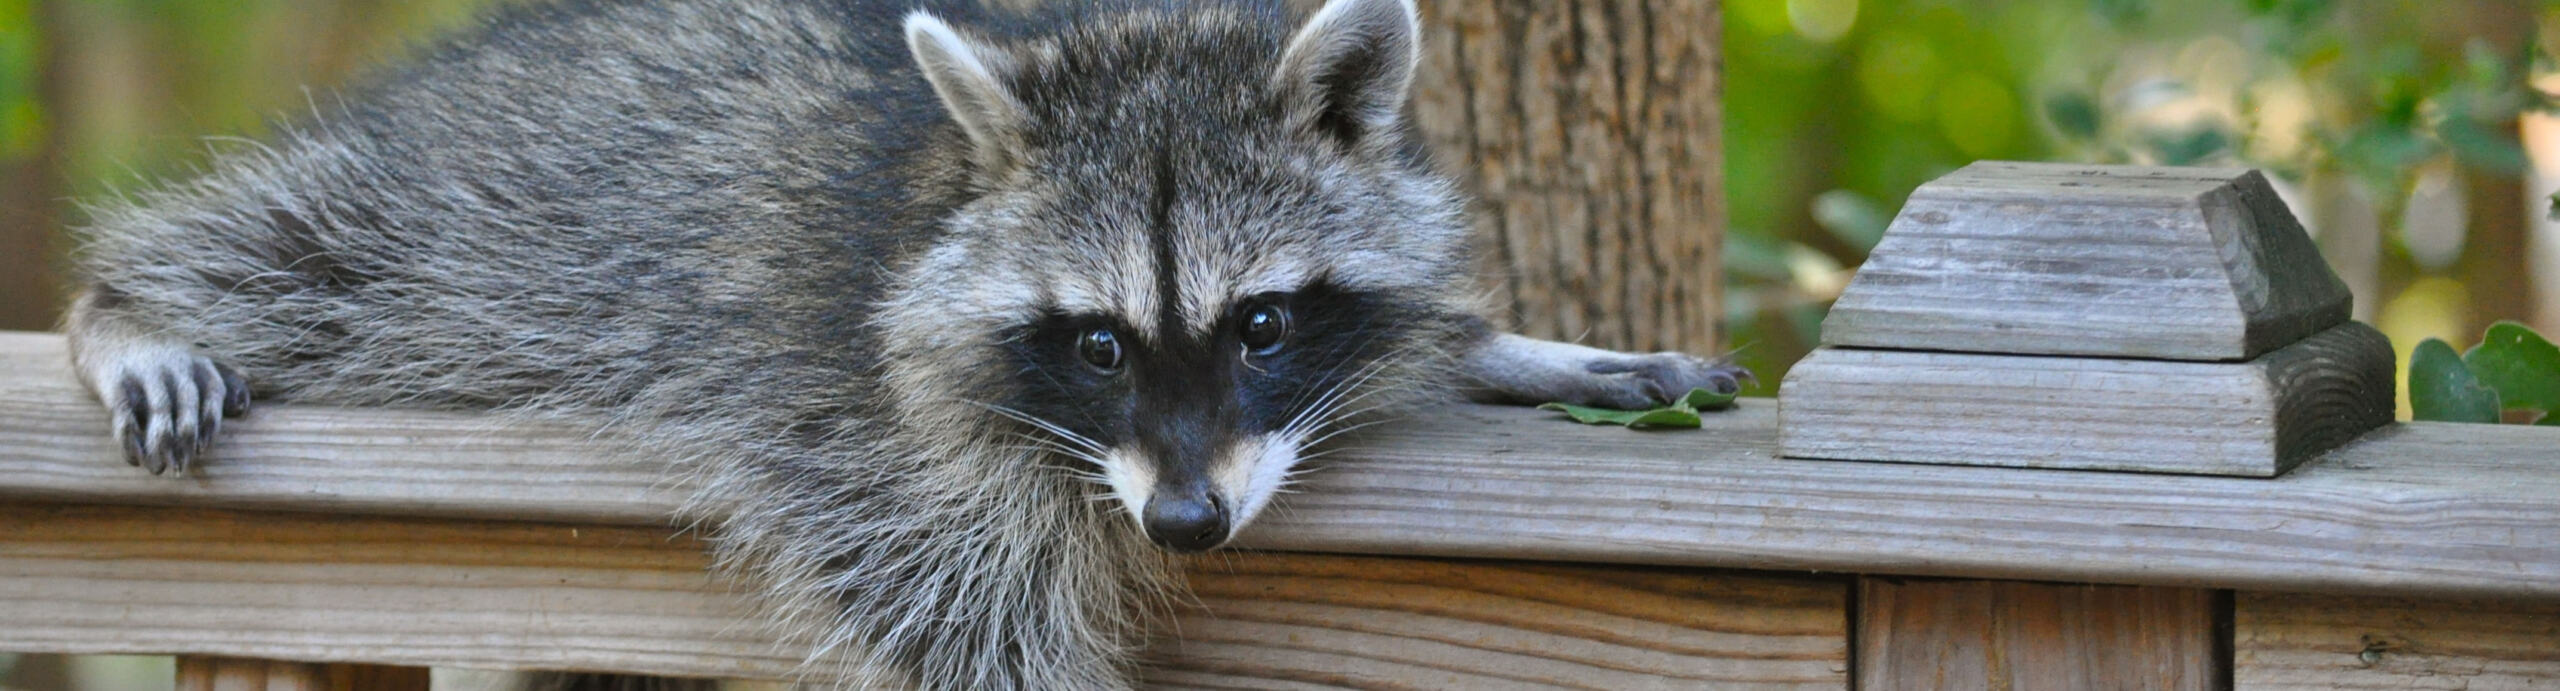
[(1186, 524)]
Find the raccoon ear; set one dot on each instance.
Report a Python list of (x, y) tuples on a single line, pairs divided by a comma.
[(964, 74), (1347, 73)]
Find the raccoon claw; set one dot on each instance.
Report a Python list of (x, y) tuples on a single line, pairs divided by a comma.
[(1655, 379), (168, 410)]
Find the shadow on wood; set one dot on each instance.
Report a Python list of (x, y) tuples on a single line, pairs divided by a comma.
[(1971, 635), (206, 673)]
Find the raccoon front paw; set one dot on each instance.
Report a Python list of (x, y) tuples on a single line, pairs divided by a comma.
[(1644, 381), (168, 405)]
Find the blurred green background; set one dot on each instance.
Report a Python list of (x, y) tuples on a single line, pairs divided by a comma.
[(2414, 138)]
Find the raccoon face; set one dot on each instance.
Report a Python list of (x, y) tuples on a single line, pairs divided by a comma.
[(1194, 426), (1202, 247)]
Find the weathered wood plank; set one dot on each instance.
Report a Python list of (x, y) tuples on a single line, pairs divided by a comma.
[(2439, 508), (2288, 641), (2256, 418), (2071, 259), (88, 579), (2413, 508), (1965, 635), (317, 459)]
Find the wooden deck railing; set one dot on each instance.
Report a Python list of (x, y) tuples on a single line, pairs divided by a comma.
[(443, 539)]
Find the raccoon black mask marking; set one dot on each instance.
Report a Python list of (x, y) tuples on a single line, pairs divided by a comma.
[(1179, 399)]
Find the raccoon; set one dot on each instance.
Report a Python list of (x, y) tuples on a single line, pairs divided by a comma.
[(962, 323)]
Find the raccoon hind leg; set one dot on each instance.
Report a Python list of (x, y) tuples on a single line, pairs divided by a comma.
[(165, 401)]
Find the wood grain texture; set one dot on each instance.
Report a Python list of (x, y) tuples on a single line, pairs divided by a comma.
[(2290, 641), (85, 579), (1968, 635), (2255, 418), (1368, 622), (2069, 259), (318, 459), (1590, 132), (212, 673), (2413, 508)]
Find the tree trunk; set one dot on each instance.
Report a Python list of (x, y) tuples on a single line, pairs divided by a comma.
[(30, 198), (1591, 134)]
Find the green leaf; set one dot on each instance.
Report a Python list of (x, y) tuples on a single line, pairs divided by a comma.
[(2121, 12), (2442, 389), (2074, 114), (2190, 146), (1666, 416), (1707, 399), (2521, 365), (1681, 413), (2473, 143)]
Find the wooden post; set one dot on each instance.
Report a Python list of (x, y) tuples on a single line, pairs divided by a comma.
[(2172, 320), (1965, 635), (209, 673), (1591, 133)]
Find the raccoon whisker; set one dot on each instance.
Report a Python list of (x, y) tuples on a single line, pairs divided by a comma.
[(1332, 412), (1091, 479), (1337, 369), (1346, 430), (1333, 427), (1053, 381), (1046, 446), (1053, 428), (1390, 385), (1332, 397), (1088, 478), (1323, 413)]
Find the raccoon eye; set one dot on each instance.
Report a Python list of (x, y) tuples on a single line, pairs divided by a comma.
[(1100, 348), (1264, 326)]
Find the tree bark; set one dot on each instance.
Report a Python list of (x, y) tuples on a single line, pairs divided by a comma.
[(1590, 131), (2496, 261)]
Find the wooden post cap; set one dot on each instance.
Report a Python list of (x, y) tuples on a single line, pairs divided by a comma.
[(2253, 419), (2070, 259)]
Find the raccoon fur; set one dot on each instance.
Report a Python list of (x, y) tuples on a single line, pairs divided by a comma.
[(960, 322)]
